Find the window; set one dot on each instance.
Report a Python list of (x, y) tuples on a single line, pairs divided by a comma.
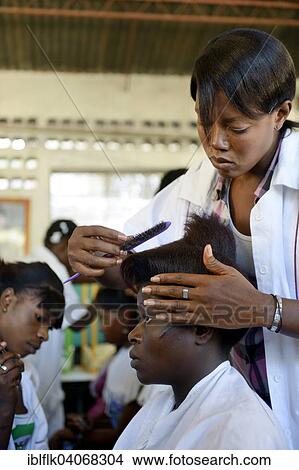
[(101, 198)]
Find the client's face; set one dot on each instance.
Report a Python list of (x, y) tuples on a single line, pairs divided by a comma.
[(161, 353)]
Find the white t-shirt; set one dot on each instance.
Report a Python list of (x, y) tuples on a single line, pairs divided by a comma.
[(220, 412), (29, 430), (121, 386)]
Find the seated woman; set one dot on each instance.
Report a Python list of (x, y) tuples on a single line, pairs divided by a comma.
[(117, 387), (210, 405), (31, 303)]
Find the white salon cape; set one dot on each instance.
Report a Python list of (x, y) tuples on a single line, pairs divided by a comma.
[(46, 364), (220, 412), (274, 225), (29, 430)]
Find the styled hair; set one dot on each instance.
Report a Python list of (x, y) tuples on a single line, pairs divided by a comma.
[(186, 255), (252, 68), (37, 278), (59, 230)]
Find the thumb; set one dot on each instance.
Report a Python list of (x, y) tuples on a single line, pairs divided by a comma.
[(212, 264)]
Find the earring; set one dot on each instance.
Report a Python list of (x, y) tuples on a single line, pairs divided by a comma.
[(4, 309)]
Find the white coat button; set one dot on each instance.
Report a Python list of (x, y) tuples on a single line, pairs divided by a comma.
[(276, 378), (263, 269)]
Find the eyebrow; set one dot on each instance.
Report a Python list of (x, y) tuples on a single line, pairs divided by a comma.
[(234, 119)]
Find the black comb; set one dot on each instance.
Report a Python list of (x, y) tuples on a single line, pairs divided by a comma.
[(143, 237)]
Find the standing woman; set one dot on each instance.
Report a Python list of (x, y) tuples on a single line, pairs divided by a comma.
[(243, 85)]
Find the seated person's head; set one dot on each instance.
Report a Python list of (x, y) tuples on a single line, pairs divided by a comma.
[(165, 353), (31, 303), (57, 237), (118, 315)]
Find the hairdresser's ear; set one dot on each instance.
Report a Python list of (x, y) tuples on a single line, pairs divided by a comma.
[(6, 299), (281, 113), (203, 334)]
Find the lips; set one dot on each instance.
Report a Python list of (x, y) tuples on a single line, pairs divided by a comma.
[(33, 347), (220, 160), (135, 360)]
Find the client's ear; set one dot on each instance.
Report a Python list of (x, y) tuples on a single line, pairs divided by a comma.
[(6, 298), (203, 334)]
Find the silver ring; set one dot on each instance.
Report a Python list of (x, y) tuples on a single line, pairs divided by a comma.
[(3, 367), (185, 293)]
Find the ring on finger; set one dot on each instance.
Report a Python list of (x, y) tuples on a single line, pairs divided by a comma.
[(3, 367), (185, 293)]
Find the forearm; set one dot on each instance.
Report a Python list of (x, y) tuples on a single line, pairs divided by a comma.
[(6, 423)]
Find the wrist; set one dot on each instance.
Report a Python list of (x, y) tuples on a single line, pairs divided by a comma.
[(266, 309)]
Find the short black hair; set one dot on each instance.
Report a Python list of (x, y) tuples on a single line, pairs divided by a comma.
[(38, 278), (251, 67), (59, 230), (186, 255)]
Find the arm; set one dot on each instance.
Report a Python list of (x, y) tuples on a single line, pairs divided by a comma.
[(9, 382), (225, 299)]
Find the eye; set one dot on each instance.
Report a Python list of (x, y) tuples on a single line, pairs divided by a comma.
[(238, 130)]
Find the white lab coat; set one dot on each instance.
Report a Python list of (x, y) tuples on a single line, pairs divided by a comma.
[(220, 412), (273, 223), (45, 366)]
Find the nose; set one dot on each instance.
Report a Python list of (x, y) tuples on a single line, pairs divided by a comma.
[(218, 138), (135, 336), (43, 333)]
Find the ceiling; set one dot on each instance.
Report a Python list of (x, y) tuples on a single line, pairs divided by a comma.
[(136, 36)]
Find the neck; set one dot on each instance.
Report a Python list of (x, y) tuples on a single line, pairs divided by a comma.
[(260, 169), (182, 386)]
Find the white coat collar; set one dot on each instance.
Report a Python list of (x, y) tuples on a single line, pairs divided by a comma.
[(286, 172)]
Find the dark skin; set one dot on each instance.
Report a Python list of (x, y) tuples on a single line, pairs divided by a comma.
[(9, 385), (24, 326), (239, 148), (195, 352), (98, 433)]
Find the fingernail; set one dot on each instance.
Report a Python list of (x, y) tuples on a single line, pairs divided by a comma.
[(155, 279), (119, 261), (122, 237), (209, 250), (146, 290), (149, 302)]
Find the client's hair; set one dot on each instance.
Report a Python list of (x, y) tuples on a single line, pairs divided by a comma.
[(186, 255), (39, 279)]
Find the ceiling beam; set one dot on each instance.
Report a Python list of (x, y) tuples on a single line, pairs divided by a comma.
[(142, 16), (242, 3)]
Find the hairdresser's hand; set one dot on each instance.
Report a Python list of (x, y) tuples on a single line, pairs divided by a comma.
[(11, 368), (88, 246), (224, 300)]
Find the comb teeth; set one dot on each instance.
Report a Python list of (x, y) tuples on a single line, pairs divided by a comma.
[(143, 237)]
